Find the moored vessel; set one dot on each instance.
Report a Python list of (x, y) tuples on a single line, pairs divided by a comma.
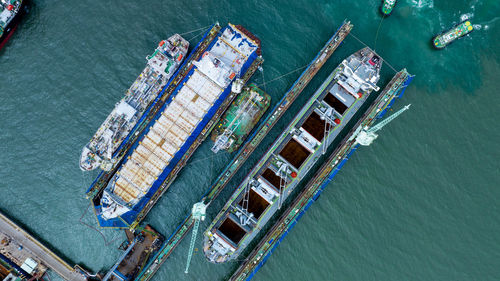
[(240, 118), (387, 7), (291, 156), (11, 12), (161, 65), (444, 39), (157, 154)]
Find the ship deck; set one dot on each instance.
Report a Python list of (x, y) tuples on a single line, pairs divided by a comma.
[(295, 152), (273, 238), (172, 133)]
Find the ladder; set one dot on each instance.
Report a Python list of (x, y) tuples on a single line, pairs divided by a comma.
[(328, 129), (246, 197), (282, 173)]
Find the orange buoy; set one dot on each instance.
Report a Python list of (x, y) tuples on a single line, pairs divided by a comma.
[(10, 7), (294, 174), (162, 43)]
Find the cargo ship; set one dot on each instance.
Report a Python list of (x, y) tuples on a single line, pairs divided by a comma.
[(387, 7), (11, 12), (444, 39), (291, 156), (239, 120), (182, 118), (161, 65)]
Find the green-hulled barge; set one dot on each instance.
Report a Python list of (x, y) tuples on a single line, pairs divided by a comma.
[(239, 120), (444, 39), (387, 7)]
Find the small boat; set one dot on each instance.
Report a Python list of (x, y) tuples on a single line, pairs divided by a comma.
[(387, 7), (239, 120), (444, 39)]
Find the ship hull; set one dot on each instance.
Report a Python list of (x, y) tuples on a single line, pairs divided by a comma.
[(128, 112), (386, 9), (242, 123), (127, 218), (12, 26), (291, 156), (449, 36)]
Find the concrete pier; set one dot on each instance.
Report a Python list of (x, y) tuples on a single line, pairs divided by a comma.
[(37, 250)]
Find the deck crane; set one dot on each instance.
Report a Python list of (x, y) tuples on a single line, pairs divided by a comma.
[(367, 135), (198, 214)]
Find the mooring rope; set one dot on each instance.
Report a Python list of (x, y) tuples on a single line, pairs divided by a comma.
[(195, 30), (203, 159), (263, 79), (376, 35), (363, 43), (281, 76), (197, 35), (106, 243)]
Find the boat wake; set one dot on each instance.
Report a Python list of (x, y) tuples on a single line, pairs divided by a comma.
[(486, 25), (423, 3), (467, 16)]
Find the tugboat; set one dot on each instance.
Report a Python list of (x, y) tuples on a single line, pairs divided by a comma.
[(387, 6), (239, 120), (444, 39), (11, 12)]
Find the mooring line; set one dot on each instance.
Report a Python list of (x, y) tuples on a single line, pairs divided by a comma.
[(363, 43), (281, 76), (195, 30)]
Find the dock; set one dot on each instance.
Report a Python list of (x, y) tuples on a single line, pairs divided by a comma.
[(28, 246), (321, 179), (248, 147), (103, 178)]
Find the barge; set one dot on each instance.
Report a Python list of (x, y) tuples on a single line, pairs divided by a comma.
[(161, 66), (138, 249), (160, 151), (291, 156), (239, 120)]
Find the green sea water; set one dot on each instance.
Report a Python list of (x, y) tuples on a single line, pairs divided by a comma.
[(421, 203)]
